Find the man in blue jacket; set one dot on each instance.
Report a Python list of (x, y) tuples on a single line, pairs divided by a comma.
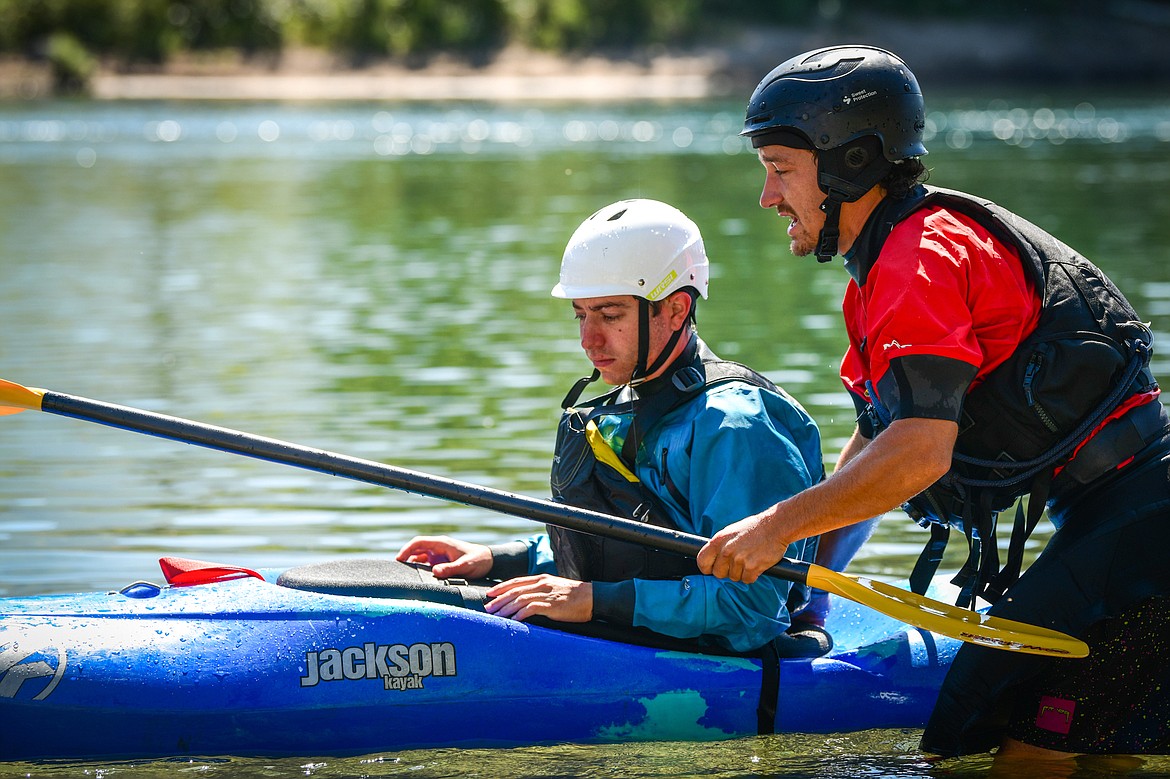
[(685, 441)]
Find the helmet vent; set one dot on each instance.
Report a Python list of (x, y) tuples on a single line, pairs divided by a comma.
[(617, 216)]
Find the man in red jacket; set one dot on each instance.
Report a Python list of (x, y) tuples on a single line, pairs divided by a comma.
[(988, 361)]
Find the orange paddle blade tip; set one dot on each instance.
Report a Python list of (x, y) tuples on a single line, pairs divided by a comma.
[(15, 398)]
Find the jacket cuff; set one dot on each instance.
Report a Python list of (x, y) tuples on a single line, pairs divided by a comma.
[(509, 560), (614, 602)]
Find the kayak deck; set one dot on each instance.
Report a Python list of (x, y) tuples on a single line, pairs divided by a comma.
[(248, 667)]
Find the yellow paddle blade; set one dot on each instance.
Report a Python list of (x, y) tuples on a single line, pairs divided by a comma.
[(938, 617), (14, 398)]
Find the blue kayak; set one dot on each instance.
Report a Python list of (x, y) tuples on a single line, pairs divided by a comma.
[(284, 663)]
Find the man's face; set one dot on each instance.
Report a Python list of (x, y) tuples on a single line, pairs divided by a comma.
[(790, 187), (609, 334)]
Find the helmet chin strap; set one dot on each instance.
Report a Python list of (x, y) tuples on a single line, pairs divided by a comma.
[(838, 192), (864, 171), (641, 371), (831, 232)]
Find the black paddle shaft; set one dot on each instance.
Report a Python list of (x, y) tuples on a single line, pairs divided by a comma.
[(273, 450)]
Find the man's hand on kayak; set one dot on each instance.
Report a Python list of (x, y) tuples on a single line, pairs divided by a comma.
[(448, 557), (563, 600), (743, 550)]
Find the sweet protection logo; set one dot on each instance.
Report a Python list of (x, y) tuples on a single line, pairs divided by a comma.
[(30, 673), (858, 96)]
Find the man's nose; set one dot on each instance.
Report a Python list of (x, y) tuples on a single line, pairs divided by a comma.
[(770, 194), (590, 335)]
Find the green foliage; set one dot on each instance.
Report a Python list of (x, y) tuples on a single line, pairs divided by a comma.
[(215, 24), (405, 27), (154, 30), (567, 25), (139, 30), (73, 66)]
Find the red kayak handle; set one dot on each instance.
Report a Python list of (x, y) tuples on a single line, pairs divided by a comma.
[(183, 572)]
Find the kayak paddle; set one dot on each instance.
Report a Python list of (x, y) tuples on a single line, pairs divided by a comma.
[(892, 601)]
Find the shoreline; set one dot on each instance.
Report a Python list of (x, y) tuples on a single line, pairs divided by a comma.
[(593, 81), (1113, 50), (512, 75)]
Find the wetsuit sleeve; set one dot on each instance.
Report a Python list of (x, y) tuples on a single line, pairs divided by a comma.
[(615, 601), (527, 556), (923, 386), (733, 454), (540, 555)]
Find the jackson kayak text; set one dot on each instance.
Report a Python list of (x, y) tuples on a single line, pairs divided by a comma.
[(400, 667)]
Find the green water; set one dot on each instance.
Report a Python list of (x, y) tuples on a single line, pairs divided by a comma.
[(374, 281)]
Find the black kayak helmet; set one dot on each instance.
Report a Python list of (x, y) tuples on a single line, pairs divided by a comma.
[(859, 107)]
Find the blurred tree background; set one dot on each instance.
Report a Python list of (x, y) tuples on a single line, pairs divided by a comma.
[(76, 35)]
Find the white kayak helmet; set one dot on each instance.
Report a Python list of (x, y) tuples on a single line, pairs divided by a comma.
[(636, 247)]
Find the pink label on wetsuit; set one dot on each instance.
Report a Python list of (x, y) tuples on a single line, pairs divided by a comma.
[(1055, 714)]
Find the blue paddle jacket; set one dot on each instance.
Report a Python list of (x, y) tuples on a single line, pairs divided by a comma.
[(732, 451)]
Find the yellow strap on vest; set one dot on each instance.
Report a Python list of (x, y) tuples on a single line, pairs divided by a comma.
[(603, 452)]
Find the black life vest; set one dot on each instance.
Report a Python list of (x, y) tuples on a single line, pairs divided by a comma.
[(588, 474), (1088, 354)]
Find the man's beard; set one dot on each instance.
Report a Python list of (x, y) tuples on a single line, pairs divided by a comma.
[(802, 246)]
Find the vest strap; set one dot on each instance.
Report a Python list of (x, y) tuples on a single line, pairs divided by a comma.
[(769, 690), (930, 558), (1021, 529), (578, 387), (965, 578)]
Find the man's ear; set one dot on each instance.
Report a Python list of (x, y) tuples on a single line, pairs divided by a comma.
[(679, 306)]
